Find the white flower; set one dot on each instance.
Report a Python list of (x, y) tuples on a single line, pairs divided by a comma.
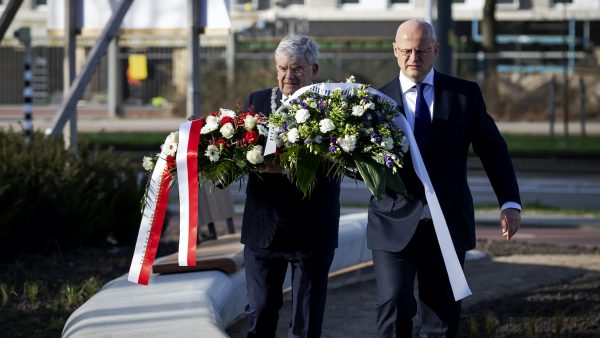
[(212, 152), (347, 143), (369, 105), (293, 135), (148, 163), (387, 143), (172, 138), (250, 122), (326, 125), (358, 110), (172, 149), (404, 144), (351, 79), (279, 140), (302, 115), (313, 105), (227, 112), (227, 130), (255, 156), (170, 146), (211, 123), (262, 130)]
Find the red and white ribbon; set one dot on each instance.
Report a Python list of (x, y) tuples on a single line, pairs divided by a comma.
[(187, 173), (153, 217)]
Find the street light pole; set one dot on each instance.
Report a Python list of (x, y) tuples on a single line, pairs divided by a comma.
[(24, 36)]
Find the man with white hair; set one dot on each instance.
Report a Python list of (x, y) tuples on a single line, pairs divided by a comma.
[(280, 227)]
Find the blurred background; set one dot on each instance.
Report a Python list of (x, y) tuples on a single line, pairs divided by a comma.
[(535, 59), (111, 78)]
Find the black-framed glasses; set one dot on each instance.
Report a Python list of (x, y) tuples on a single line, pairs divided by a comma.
[(418, 52), (297, 71)]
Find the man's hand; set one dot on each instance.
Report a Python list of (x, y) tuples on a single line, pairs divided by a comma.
[(510, 221)]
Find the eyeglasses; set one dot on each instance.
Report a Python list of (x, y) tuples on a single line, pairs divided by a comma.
[(418, 52), (297, 71)]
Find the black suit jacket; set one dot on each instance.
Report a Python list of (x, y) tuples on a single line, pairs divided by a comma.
[(277, 216), (459, 120)]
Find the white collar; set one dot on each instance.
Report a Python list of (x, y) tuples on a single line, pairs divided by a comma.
[(406, 84)]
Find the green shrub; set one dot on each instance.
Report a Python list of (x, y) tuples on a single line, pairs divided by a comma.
[(49, 196)]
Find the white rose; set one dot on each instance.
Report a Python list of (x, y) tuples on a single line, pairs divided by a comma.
[(347, 143), (227, 112), (387, 143), (211, 123), (250, 122), (212, 152), (358, 110), (148, 163), (302, 115), (227, 130), (255, 156), (326, 125), (293, 135)]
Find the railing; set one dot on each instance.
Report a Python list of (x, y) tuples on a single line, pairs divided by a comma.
[(522, 72)]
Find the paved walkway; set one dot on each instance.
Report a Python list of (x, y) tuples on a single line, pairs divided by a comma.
[(350, 310), (351, 300)]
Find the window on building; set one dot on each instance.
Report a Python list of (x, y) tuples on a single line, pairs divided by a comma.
[(508, 4), (244, 4), (478, 4), (36, 3)]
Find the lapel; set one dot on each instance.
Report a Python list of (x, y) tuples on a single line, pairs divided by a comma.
[(393, 90), (441, 111), (441, 97)]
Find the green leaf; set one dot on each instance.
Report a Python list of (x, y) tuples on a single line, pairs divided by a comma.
[(373, 175), (306, 171), (394, 182)]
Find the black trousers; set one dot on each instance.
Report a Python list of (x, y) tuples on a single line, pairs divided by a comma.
[(265, 273), (439, 313)]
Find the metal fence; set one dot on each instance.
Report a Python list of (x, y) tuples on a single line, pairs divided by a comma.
[(523, 77)]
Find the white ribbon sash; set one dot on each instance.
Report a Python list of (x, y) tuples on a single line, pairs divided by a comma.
[(460, 288)]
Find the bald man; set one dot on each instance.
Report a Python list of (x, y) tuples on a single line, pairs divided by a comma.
[(448, 115)]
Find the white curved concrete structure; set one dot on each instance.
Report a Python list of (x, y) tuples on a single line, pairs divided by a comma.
[(192, 304)]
